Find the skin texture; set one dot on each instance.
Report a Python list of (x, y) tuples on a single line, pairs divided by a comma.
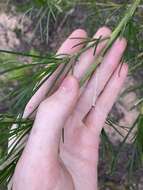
[(49, 164)]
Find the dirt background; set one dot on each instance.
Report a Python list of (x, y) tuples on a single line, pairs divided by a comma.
[(17, 35)]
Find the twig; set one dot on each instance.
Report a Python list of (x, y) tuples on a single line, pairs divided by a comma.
[(69, 13)]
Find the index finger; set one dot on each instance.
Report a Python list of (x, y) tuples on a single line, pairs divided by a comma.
[(68, 47)]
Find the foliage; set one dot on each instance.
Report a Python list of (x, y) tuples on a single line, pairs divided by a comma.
[(29, 76), (43, 13)]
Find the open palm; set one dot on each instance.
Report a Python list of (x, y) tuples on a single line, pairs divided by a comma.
[(49, 164)]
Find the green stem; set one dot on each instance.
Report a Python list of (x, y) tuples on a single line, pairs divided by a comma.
[(17, 148), (20, 54), (113, 37), (122, 24)]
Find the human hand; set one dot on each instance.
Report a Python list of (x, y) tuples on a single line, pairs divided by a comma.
[(49, 164)]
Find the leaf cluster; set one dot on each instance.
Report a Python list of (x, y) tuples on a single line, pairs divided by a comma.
[(31, 76)]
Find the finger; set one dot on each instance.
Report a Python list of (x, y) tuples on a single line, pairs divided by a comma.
[(50, 119), (98, 114), (66, 48), (88, 57), (69, 46), (101, 77)]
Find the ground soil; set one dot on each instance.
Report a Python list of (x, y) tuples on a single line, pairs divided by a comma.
[(9, 40)]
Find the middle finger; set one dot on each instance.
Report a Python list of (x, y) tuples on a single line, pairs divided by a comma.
[(100, 78)]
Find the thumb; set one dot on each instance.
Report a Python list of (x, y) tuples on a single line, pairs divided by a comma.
[(50, 119)]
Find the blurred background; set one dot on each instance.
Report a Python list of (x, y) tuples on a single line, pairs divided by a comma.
[(39, 27)]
